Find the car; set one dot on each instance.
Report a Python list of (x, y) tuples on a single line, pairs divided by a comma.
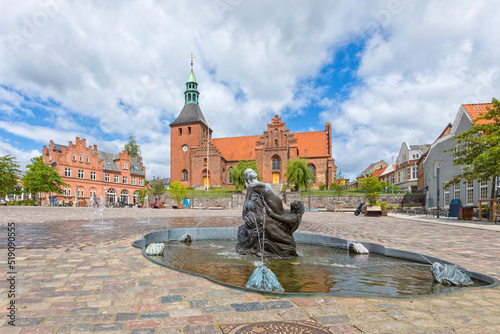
[(3, 201)]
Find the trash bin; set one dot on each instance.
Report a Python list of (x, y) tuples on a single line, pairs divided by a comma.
[(455, 206)]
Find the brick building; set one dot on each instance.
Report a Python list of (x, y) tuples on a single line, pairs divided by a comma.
[(92, 173), (198, 159)]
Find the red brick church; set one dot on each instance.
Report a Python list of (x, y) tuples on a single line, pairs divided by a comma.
[(194, 162)]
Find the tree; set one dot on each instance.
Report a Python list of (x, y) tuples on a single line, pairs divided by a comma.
[(339, 186), (143, 193), (41, 178), (372, 188), (9, 171), (177, 191), (479, 148), (157, 187), (132, 147), (298, 173), (237, 173)]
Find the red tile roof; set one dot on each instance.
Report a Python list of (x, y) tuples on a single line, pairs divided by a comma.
[(236, 148), (478, 109), (243, 148), (379, 172), (316, 143)]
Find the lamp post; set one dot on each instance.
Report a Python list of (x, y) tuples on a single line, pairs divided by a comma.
[(194, 186), (309, 195)]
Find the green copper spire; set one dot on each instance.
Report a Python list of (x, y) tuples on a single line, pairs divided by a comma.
[(191, 95)]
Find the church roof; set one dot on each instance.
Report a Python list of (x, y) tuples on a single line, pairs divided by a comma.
[(190, 113), (243, 148), (236, 148), (315, 142)]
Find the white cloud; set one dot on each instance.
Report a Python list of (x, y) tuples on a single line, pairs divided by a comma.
[(421, 61)]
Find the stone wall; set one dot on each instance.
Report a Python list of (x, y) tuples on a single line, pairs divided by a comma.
[(237, 200)]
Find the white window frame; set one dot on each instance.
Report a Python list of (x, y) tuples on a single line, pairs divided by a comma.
[(116, 179), (456, 191), (447, 196), (141, 182), (414, 172), (81, 158), (106, 178), (470, 192), (132, 181), (81, 174), (67, 172), (87, 159), (92, 175), (124, 180), (74, 156), (483, 190)]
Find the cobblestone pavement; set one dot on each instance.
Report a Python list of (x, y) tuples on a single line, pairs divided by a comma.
[(74, 276)]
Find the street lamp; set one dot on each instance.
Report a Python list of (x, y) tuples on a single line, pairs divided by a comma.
[(310, 181)]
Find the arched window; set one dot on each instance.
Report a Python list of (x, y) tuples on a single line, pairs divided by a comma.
[(189, 97), (205, 162), (111, 196), (276, 163), (230, 179), (136, 196), (312, 169), (184, 175), (124, 196), (276, 143)]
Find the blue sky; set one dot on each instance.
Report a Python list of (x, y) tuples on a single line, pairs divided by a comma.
[(381, 72)]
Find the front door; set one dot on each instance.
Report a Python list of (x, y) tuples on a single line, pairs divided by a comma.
[(205, 181), (276, 177)]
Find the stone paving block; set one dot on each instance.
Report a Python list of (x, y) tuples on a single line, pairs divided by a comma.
[(126, 316), (143, 331), (199, 303), (107, 327), (85, 311), (245, 307), (150, 315), (277, 304), (217, 309), (39, 330), (202, 329), (63, 320), (171, 299), (25, 322), (333, 320), (143, 323), (97, 318)]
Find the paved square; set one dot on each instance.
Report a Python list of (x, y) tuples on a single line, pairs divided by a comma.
[(75, 277)]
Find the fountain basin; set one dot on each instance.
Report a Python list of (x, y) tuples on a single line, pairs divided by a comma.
[(324, 265)]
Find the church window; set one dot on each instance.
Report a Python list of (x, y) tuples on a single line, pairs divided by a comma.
[(276, 143), (276, 163), (205, 162), (312, 169), (189, 130), (180, 131), (184, 175)]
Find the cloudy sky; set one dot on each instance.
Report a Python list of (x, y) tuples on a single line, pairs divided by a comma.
[(381, 72)]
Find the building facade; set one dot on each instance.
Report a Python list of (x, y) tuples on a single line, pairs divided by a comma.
[(197, 159), (406, 173), (440, 157), (93, 173)]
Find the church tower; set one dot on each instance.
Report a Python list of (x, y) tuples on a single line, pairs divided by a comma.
[(188, 133)]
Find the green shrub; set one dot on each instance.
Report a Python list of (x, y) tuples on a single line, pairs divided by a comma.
[(383, 206), (322, 187)]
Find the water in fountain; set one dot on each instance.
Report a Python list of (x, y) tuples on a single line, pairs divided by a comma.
[(100, 211), (92, 211), (146, 210), (262, 277)]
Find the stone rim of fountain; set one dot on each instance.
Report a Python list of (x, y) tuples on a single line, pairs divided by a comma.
[(226, 233)]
